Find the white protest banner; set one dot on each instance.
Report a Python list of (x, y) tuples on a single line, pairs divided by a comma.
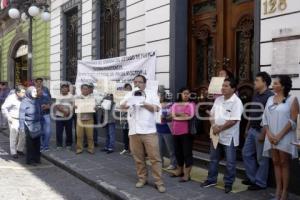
[(119, 70)]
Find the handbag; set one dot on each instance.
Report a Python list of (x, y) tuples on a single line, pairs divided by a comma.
[(34, 129), (193, 126)]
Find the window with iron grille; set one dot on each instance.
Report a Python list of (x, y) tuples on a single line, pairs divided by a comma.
[(71, 45), (112, 28)]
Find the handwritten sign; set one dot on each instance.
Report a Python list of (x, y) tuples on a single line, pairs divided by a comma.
[(215, 85), (85, 105)]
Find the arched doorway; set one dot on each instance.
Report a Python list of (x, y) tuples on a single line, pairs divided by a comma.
[(17, 60), (21, 67)]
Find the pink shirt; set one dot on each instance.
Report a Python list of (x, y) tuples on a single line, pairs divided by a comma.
[(182, 127)]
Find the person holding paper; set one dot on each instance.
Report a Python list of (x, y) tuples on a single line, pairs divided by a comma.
[(226, 116), (165, 138), (142, 132), (279, 121), (85, 123), (225, 73), (64, 116), (108, 118), (257, 166)]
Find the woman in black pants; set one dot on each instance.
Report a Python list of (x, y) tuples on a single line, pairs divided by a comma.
[(30, 124), (183, 111)]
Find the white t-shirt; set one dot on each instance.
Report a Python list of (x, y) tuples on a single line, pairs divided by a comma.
[(140, 120), (225, 110)]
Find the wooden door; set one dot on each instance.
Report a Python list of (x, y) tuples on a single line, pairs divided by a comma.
[(220, 35)]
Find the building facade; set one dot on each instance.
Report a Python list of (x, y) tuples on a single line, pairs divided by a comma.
[(14, 49), (103, 29), (279, 24), (194, 39)]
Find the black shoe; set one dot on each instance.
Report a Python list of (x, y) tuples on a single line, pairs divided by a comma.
[(109, 151), (228, 188), (20, 153), (15, 156), (247, 182), (178, 175), (38, 162), (104, 150), (31, 164), (255, 187), (207, 184), (182, 180)]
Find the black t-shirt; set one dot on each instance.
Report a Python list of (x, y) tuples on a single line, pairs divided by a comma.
[(262, 99)]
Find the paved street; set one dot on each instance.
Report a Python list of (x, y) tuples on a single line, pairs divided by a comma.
[(112, 174), (115, 174), (45, 182)]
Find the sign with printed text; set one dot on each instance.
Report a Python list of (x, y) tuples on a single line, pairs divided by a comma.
[(109, 75)]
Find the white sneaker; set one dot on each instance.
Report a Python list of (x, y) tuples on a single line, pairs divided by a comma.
[(69, 148), (170, 167), (124, 152)]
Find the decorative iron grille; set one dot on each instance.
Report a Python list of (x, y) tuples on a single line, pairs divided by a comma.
[(71, 45)]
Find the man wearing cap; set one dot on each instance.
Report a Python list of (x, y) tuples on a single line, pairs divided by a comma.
[(85, 122)]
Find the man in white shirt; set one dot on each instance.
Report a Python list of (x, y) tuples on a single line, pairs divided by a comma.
[(142, 106), (226, 116), (11, 109)]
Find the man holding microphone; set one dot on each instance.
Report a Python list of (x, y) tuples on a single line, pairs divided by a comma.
[(142, 131)]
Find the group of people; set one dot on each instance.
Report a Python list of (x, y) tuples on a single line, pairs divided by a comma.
[(158, 126), (27, 113), (270, 132)]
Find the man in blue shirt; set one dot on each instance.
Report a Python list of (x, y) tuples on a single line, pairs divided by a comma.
[(256, 165), (45, 101)]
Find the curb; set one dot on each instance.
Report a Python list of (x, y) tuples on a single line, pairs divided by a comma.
[(102, 187)]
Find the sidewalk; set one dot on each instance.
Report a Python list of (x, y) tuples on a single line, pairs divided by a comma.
[(19, 181), (114, 175)]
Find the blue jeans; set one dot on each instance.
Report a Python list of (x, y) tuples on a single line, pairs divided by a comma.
[(256, 165), (215, 156), (110, 136), (46, 134), (166, 142), (96, 129), (61, 126)]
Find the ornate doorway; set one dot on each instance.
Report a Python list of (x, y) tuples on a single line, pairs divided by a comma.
[(21, 67), (220, 35)]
